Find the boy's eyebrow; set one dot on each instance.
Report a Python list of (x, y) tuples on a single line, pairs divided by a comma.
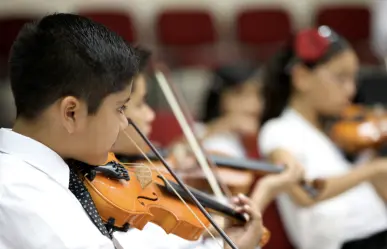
[(130, 94), (123, 101)]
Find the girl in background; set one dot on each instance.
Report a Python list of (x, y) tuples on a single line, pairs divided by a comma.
[(310, 79), (231, 110)]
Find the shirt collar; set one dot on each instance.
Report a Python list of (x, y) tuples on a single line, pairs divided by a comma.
[(291, 114), (36, 154)]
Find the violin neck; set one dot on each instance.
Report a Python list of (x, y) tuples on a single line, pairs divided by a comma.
[(206, 200), (245, 164), (136, 158), (221, 161)]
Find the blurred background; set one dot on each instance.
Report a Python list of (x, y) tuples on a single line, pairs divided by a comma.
[(191, 38)]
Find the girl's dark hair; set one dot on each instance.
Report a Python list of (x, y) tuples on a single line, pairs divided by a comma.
[(225, 77), (277, 85), (144, 56)]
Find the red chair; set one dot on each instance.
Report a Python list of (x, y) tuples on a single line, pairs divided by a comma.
[(119, 22), (271, 217), (262, 31), (165, 128), (188, 36), (186, 27), (9, 29), (352, 22), (272, 220)]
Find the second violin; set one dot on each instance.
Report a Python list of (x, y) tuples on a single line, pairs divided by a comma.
[(360, 127)]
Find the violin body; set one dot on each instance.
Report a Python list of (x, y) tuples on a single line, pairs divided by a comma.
[(198, 179), (137, 202), (360, 128)]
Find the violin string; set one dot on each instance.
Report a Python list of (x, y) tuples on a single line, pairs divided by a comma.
[(133, 164), (174, 190)]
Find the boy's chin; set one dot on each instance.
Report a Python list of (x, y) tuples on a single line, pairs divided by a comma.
[(98, 160)]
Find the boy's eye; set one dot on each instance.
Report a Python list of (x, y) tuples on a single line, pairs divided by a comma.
[(122, 109)]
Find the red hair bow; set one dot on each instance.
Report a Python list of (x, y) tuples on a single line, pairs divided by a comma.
[(310, 46)]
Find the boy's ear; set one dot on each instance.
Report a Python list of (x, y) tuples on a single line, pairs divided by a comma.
[(71, 111)]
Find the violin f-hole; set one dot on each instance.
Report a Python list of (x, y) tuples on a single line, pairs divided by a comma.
[(139, 198)]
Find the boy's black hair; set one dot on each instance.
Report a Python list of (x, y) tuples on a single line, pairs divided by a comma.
[(68, 55)]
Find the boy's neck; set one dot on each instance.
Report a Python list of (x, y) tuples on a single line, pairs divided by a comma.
[(35, 130)]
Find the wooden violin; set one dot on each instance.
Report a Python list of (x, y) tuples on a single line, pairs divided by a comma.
[(149, 197), (122, 205), (359, 127)]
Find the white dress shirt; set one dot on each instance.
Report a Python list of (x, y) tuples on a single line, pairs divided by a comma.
[(224, 142), (355, 214), (37, 210), (154, 237), (379, 27)]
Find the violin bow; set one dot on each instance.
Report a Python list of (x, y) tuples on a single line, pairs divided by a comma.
[(186, 124), (182, 104)]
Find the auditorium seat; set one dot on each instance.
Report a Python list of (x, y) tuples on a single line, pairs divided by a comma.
[(165, 128), (271, 216), (352, 22), (120, 22), (261, 31), (9, 29), (187, 36)]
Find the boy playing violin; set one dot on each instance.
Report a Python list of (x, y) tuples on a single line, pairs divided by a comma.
[(71, 79)]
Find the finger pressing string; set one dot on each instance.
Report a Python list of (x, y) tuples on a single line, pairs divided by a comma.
[(245, 212), (243, 198), (235, 200)]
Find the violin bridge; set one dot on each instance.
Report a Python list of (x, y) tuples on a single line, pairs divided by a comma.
[(144, 175)]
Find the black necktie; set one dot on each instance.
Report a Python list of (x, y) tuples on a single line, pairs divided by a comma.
[(77, 187)]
